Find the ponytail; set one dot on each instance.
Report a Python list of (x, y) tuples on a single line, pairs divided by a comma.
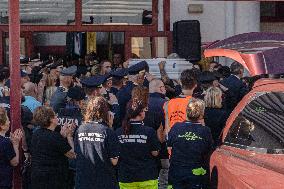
[(126, 126), (134, 108)]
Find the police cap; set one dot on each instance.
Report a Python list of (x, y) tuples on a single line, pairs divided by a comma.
[(136, 68), (24, 60), (55, 65), (107, 76), (8, 83), (94, 81), (206, 77), (24, 73), (217, 74), (120, 73), (70, 71), (76, 93)]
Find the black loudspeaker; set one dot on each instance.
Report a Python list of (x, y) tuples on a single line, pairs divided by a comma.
[(187, 40)]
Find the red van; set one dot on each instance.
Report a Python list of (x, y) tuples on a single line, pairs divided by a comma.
[(251, 153)]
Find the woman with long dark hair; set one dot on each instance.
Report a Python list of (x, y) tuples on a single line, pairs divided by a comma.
[(96, 146), (139, 147)]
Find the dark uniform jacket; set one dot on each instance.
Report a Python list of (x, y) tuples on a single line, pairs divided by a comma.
[(123, 96), (215, 119), (236, 91), (70, 114), (114, 90), (155, 117), (58, 99)]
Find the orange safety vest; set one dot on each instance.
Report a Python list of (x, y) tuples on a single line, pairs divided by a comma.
[(175, 110)]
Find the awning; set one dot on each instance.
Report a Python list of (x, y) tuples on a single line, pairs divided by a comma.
[(258, 52)]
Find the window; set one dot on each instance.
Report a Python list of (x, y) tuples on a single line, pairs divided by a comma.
[(141, 47), (119, 12), (149, 47), (272, 11), (39, 12), (260, 125), (6, 49)]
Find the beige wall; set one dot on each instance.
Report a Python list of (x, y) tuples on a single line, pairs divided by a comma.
[(219, 19)]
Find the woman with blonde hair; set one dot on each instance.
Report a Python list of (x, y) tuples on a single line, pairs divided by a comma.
[(190, 144), (96, 146), (50, 88), (215, 116)]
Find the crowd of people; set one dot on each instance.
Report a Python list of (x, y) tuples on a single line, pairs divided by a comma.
[(105, 125)]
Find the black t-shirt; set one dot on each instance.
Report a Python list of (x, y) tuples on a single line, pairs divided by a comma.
[(136, 163), (95, 144), (48, 149), (191, 143), (7, 153)]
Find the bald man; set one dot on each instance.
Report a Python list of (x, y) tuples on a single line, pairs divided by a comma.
[(155, 118), (30, 92), (157, 86), (30, 89)]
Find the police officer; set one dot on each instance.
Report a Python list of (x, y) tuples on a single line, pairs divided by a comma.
[(112, 100), (118, 79), (205, 80), (94, 87), (107, 85), (136, 77), (71, 114), (58, 99)]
